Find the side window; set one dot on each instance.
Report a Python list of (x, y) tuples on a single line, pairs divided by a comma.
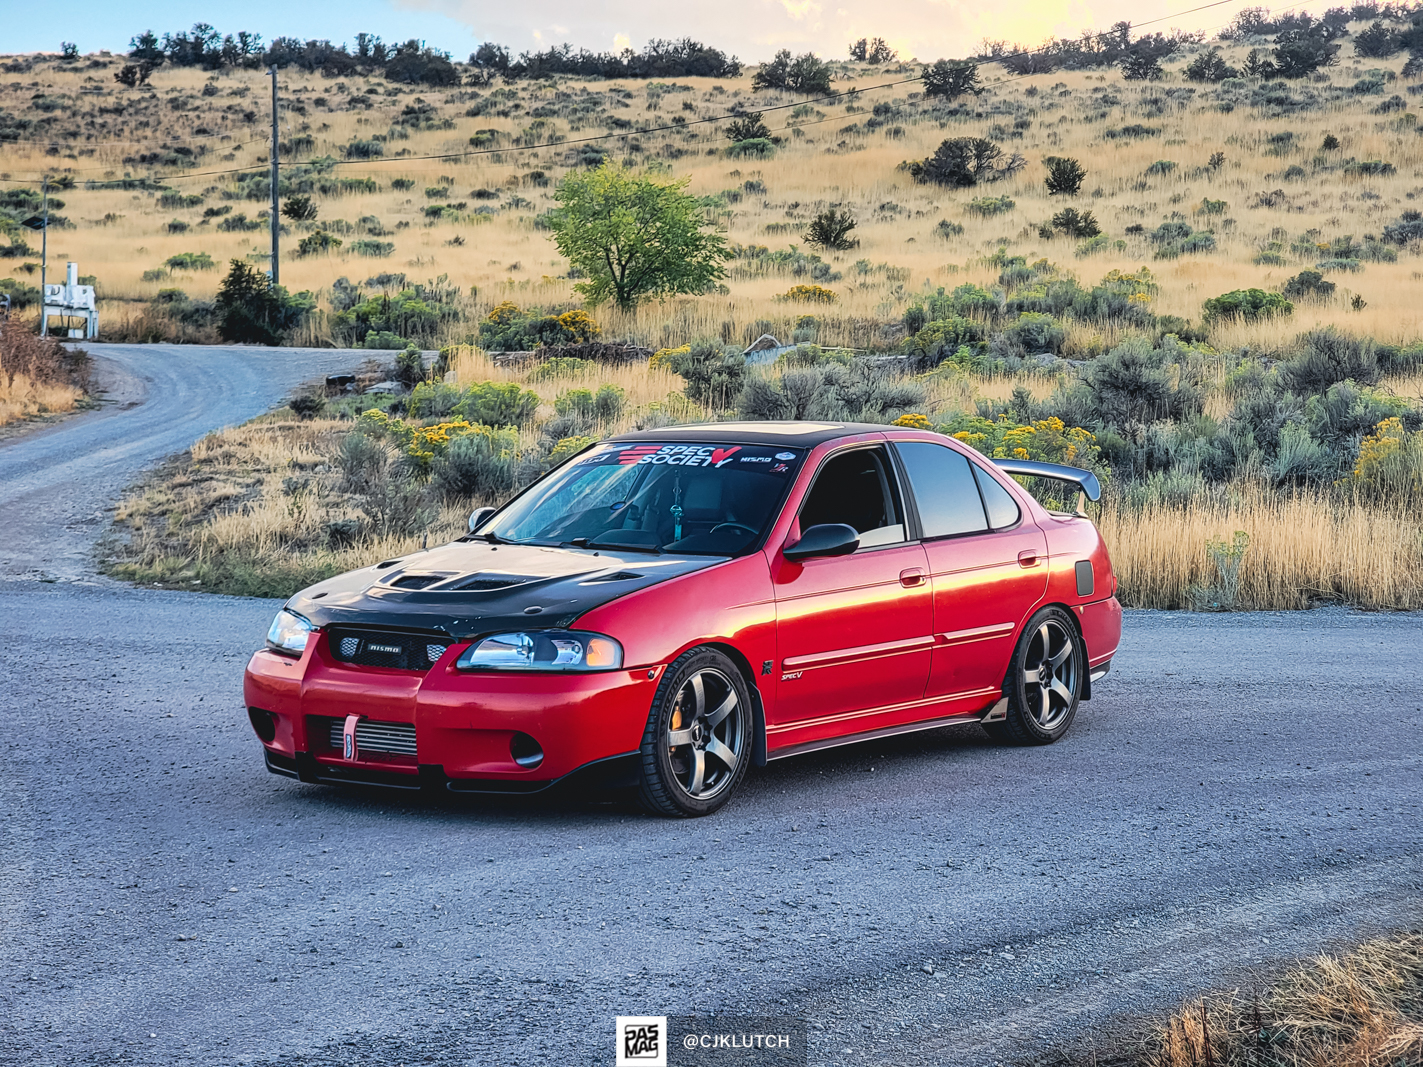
[(857, 488), (1002, 508), (944, 489)]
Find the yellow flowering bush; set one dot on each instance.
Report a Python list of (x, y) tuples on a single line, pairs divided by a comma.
[(810, 294), (663, 357), (1390, 463), (1047, 440), (914, 421)]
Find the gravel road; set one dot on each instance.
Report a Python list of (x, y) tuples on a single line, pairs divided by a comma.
[(1242, 790), (56, 483)]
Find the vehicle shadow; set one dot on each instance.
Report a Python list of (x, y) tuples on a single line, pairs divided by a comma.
[(899, 762)]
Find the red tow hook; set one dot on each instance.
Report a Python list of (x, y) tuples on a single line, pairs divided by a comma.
[(349, 751)]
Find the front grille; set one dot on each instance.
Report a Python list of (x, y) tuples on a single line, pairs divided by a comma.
[(381, 648), (397, 738)]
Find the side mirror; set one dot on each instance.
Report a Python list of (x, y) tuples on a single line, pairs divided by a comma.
[(828, 539), (477, 517)]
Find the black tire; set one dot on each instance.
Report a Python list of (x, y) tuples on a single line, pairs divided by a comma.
[(700, 717), (1044, 681)]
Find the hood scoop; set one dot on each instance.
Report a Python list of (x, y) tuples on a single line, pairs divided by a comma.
[(616, 576), (417, 581), (485, 582)]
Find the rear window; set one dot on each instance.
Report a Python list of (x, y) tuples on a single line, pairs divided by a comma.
[(700, 498)]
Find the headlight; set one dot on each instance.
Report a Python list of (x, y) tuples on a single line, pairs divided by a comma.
[(289, 633), (543, 650)]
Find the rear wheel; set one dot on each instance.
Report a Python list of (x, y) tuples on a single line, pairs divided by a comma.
[(698, 737), (1044, 682)]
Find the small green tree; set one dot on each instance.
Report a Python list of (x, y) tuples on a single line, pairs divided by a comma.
[(1064, 176), (948, 80), (803, 74), (1142, 67), (1209, 67), (831, 229), (748, 128), (251, 310), (300, 209), (634, 236), (965, 161)]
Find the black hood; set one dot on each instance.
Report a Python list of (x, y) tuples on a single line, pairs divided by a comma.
[(472, 587)]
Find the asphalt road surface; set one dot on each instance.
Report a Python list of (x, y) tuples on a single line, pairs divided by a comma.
[(1242, 790)]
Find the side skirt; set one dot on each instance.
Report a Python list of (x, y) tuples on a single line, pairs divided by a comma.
[(996, 713)]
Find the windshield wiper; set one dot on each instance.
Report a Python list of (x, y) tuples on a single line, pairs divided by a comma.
[(584, 542)]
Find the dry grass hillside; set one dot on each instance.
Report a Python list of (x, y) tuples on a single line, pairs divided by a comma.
[(1238, 455), (843, 152)]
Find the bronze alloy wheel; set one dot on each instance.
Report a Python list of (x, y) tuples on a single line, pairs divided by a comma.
[(698, 737)]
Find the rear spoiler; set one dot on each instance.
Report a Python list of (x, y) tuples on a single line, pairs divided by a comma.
[(1086, 481)]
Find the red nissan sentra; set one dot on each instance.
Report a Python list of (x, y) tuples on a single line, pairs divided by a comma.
[(671, 606)]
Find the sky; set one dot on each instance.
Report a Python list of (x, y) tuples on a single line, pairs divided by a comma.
[(750, 29)]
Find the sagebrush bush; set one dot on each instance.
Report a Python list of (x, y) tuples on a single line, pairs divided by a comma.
[(476, 466), (1328, 357)]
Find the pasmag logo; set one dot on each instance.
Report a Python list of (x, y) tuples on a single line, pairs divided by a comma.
[(642, 1041)]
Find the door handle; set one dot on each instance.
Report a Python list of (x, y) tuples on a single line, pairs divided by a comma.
[(911, 577), (1028, 557)]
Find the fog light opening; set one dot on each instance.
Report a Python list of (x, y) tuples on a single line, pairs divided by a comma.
[(264, 723), (526, 751)]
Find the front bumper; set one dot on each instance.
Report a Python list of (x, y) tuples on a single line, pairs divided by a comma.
[(462, 728)]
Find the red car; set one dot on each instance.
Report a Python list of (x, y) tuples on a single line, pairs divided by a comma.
[(670, 606)]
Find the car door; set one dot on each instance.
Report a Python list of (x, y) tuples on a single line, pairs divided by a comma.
[(987, 565), (853, 631)]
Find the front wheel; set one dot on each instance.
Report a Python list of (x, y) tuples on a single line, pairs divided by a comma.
[(1044, 682), (698, 737)]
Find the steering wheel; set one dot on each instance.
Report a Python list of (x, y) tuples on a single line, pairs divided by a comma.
[(738, 525)]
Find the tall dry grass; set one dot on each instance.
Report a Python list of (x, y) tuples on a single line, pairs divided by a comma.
[(24, 398), (1363, 1008), (1304, 548)]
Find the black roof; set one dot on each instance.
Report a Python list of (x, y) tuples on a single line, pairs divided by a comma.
[(795, 434)]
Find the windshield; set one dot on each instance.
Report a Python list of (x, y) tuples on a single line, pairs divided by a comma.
[(704, 499)]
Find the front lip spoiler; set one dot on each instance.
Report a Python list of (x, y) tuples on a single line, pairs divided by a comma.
[(611, 772)]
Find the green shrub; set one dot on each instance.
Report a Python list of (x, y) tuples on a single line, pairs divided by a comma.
[(364, 150), (603, 406), (1330, 357), (714, 374), (321, 241), (496, 404), (375, 249), (754, 148), (988, 206), (475, 466), (1161, 166), (1308, 285), (1246, 304), (1035, 332), (190, 261)]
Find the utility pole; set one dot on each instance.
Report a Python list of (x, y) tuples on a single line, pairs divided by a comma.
[(276, 219), (44, 258)]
